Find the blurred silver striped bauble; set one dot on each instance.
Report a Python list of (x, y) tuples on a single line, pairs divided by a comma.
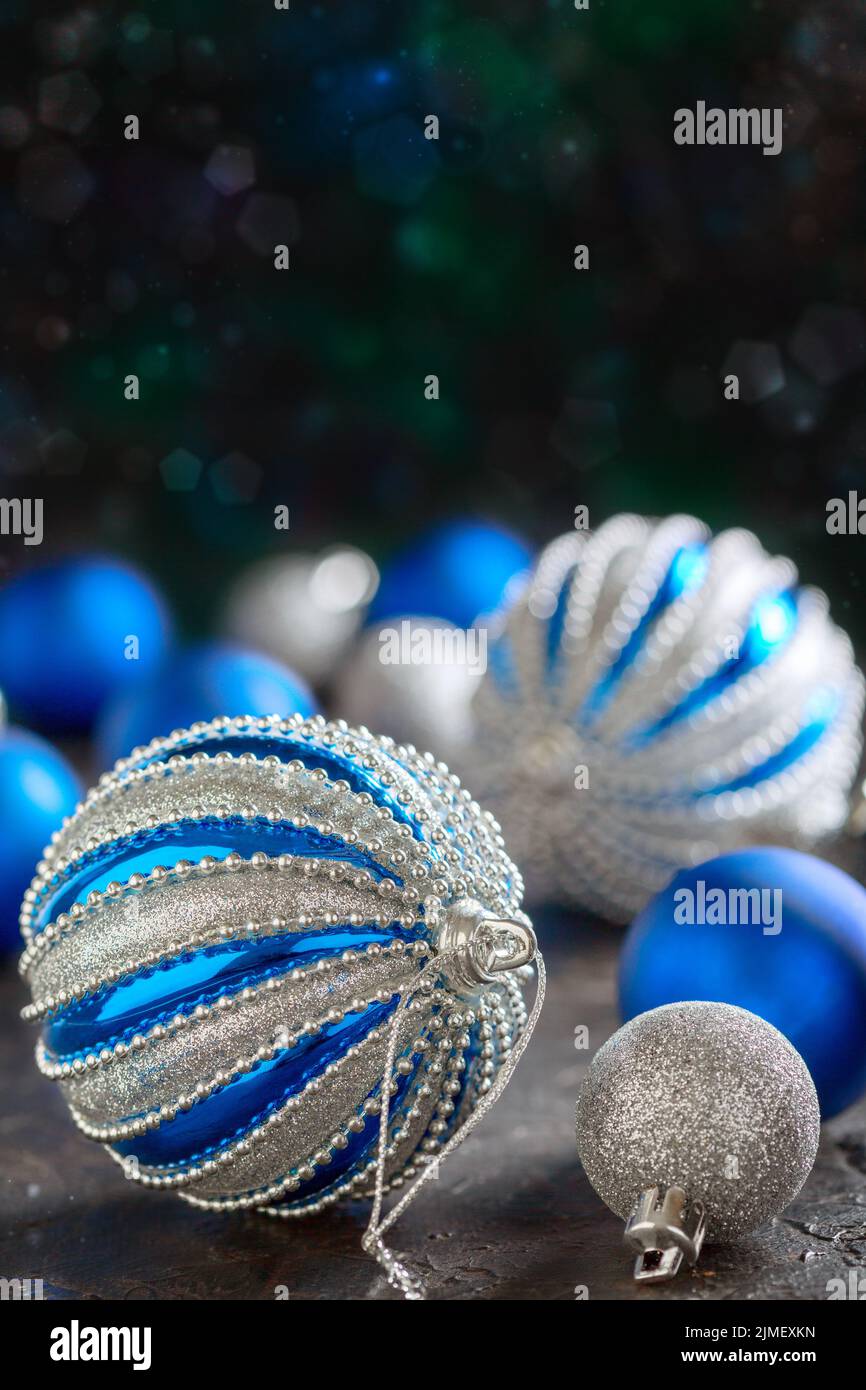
[(655, 697), (218, 942)]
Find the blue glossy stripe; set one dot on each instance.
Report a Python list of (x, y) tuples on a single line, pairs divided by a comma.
[(117, 1012), (797, 748), (338, 766), (502, 666), (192, 839), (686, 571), (557, 620), (772, 624), (248, 1099)]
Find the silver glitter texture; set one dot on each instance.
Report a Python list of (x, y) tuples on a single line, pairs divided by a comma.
[(705, 1096), (601, 813)]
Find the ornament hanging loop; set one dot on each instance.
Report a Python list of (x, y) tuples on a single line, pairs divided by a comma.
[(480, 947), (456, 962), (663, 1229)]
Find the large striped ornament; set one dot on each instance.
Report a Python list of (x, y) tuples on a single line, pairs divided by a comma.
[(227, 935), (656, 697)]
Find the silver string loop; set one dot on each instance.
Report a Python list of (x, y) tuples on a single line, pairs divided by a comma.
[(397, 1274)]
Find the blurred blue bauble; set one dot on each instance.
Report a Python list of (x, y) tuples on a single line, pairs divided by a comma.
[(73, 633), (459, 571), (808, 979), (201, 683), (37, 790)]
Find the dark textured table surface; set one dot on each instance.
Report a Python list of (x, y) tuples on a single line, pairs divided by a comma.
[(511, 1216)]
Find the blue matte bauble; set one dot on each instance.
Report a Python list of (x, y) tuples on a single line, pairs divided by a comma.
[(458, 571), (37, 790), (201, 683), (65, 632), (808, 979)]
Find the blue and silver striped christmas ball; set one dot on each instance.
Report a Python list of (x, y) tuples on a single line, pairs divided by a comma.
[(218, 941), (657, 696)]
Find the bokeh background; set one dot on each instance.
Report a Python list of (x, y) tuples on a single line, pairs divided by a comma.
[(305, 388)]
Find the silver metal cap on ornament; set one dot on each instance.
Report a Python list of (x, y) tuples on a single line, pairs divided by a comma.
[(657, 696), (278, 962), (664, 1229)]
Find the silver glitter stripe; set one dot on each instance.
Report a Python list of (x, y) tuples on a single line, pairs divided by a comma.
[(219, 787), (163, 908), (410, 1131), (51, 1005), (305, 1139), (233, 1025), (43, 884), (266, 1152), (373, 754)]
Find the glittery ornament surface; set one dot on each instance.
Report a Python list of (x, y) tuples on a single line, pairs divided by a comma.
[(704, 1096), (229, 933), (655, 697)]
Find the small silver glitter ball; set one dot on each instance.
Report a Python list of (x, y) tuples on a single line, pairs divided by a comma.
[(658, 696), (706, 1097)]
